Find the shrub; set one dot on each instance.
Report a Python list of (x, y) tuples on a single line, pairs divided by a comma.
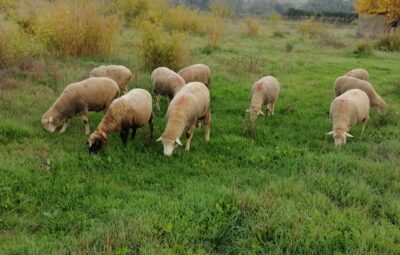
[(182, 19), (17, 48), (253, 27), (76, 28), (159, 48), (363, 47), (275, 17), (331, 41), (289, 47), (311, 28), (389, 42), (277, 33), (214, 28), (221, 10)]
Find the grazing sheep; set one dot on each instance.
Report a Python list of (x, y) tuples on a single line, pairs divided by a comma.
[(165, 82), (120, 74), (345, 111), (189, 105), (263, 92), (359, 73), (131, 111), (93, 94), (344, 83), (198, 72)]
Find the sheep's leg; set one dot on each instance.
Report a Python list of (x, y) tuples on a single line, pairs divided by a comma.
[(133, 133), (85, 119), (189, 136), (207, 124), (158, 97), (124, 135), (272, 108), (363, 123), (151, 126), (269, 109), (64, 126)]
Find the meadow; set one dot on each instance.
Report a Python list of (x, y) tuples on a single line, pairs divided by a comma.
[(281, 189)]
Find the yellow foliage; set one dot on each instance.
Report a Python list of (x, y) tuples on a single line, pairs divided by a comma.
[(182, 19), (253, 26), (76, 28), (389, 7), (159, 48), (221, 10), (311, 28), (214, 28)]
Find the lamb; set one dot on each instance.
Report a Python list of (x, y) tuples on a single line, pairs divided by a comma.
[(345, 111), (93, 94), (344, 83), (165, 82), (263, 92), (197, 72), (120, 74), (189, 105), (131, 111), (359, 73)]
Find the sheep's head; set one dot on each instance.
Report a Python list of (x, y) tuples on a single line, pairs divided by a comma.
[(169, 145), (50, 123), (254, 112), (96, 141), (340, 137)]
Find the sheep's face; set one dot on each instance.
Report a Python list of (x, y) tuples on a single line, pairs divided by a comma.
[(169, 145), (255, 112), (339, 137), (50, 123), (95, 143)]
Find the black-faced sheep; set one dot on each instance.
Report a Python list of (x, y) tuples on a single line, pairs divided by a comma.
[(131, 111)]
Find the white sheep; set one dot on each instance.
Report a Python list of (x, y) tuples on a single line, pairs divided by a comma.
[(120, 74), (358, 73), (131, 111), (345, 111), (165, 82), (93, 94), (344, 83), (189, 105), (264, 92), (197, 72)]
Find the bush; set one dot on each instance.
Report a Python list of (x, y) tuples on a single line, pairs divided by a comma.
[(277, 33), (275, 18), (363, 47), (182, 19), (289, 47), (221, 10), (17, 48), (389, 42), (253, 27), (214, 28), (331, 40), (159, 48), (76, 28), (311, 28)]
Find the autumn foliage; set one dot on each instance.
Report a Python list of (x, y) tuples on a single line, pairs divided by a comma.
[(389, 7)]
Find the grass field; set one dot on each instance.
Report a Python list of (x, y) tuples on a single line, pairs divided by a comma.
[(284, 190)]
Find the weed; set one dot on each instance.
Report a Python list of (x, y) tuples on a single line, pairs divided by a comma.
[(214, 28), (253, 27), (389, 42), (363, 47)]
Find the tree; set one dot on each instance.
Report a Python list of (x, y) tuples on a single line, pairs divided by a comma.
[(391, 8)]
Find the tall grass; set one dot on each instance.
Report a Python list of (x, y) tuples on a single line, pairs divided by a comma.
[(160, 48), (214, 28), (76, 28), (253, 27)]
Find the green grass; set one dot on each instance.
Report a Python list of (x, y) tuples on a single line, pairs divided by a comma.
[(283, 190)]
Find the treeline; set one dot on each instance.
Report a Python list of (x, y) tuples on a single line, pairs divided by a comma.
[(343, 17)]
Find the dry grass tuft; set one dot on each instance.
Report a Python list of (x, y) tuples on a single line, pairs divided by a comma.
[(253, 27)]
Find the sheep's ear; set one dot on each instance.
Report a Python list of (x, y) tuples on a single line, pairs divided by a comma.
[(329, 133), (51, 119), (159, 139), (178, 141), (248, 110), (348, 135), (261, 112)]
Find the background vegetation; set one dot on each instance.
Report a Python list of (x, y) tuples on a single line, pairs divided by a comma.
[(280, 189)]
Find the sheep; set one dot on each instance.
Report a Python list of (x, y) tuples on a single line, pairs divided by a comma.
[(345, 111), (344, 83), (165, 82), (359, 73), (189, 105), (197, 72), (120, 74), (131, 111), (93, 94), (263, 92)]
